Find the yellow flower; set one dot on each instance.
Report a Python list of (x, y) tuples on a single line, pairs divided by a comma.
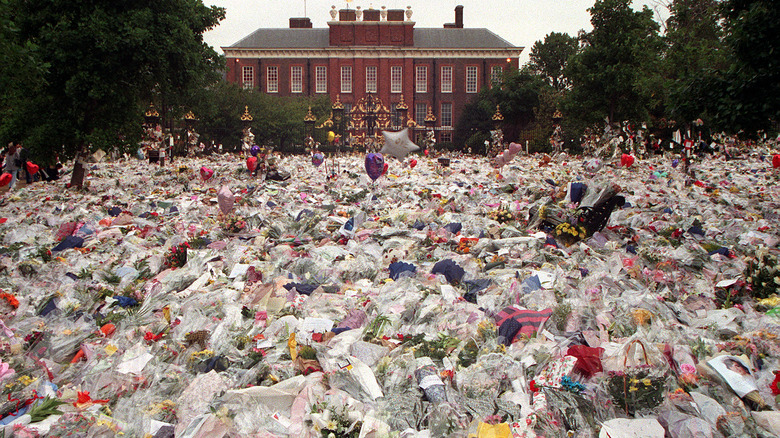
[(632, 388), (647, 382)]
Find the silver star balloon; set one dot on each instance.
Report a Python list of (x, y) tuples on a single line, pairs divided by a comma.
[(398, 144)]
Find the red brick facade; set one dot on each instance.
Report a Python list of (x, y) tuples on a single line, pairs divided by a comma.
[(379, 45)]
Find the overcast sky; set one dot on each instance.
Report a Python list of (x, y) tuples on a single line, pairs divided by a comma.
[(521, 22)]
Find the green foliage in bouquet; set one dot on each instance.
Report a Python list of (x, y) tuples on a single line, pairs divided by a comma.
[(763, 275), (636, 390)]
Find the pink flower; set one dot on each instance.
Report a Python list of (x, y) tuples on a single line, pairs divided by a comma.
[(687, 368), (6, 371)]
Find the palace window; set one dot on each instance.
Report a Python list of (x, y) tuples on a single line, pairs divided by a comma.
[(446, 79), (296, 79), (420, 111), (346, 79), (248, 76), (446, 114), (421, 79), (471, 79), (371, 79), (272, 79), (495, 74), (396, 79), (321, 79)]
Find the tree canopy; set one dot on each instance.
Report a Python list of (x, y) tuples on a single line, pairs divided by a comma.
[(549, 58), (619, 55), (101, 63)]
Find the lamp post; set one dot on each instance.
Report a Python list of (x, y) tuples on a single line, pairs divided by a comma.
[(401, 109), (496, 135), (189, 123), (247, 138), (153, 136), (556, 139), (430, 136), (338, 116), (151, 116), (308, 121)]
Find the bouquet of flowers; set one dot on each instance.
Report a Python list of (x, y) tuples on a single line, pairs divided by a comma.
[(763, 275), (233, 223), (501, 215), (177, 256), (635, 390), (8, 302), (569, 233)]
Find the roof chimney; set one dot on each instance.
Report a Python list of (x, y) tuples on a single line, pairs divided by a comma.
[(458, 24), (300, 23)]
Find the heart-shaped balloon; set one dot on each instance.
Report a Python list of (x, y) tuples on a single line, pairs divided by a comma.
[(626, 160), (32, 168), (776, 161), (5, 179), (375, 165), (515, 148), (206, 173), (317, 159), (251, 163), (412, 163), (254, 150)]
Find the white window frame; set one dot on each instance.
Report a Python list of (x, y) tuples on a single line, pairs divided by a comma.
[(272, 79), (346, 79), (496, 72), (445, 115), (321, 79), (421, 79), (446, 79), (248, 77), (472, 79), (396, 79), (296, 79), (420, 111), (371, 79)]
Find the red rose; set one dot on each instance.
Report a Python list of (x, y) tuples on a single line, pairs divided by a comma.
[(775, 385)]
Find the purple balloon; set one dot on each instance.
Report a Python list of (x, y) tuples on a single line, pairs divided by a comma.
[(675, 162), (375, 164), (254, 150), (317, 159)]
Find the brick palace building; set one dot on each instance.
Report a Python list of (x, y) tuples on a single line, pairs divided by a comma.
[(378, 59)]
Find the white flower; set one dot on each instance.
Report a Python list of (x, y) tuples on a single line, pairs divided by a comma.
[(777, 280)]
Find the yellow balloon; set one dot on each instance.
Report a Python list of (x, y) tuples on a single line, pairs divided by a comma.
[(331, 135)]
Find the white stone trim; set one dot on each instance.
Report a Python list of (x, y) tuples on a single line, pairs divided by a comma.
[(371, 53)]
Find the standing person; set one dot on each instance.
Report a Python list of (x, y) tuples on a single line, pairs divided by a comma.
[(22, 164), (11, 163)]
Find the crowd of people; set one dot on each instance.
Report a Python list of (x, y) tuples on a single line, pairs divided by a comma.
[(15, 163)]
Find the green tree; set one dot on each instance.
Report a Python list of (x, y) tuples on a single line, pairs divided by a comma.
[(612, 73), (106, 61), (548, 58), (516, 96), (752, 85), (20, 71), (694, 48)]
